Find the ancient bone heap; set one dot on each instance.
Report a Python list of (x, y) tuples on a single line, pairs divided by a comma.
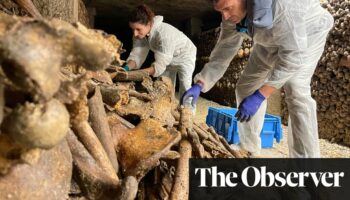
[(65, 113), (331, 85), (331, 81)]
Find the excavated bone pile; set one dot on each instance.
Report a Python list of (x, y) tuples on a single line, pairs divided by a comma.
[(75, 124)]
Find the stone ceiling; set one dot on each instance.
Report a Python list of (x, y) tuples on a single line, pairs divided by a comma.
[(174, 11)]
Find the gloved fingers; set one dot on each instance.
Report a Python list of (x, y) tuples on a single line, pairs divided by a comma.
[(249, 118), (194, 101), (238, 115), (126, 67), (244, 117), (124, 70), (184, 98)]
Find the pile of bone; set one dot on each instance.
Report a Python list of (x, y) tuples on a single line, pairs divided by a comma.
[(75, 124)]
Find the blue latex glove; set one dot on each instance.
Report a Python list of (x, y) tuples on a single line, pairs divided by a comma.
[(126, 67), (194, 92), (249, 106)]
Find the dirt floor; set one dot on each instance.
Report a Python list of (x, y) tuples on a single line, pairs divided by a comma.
[(279, 150)]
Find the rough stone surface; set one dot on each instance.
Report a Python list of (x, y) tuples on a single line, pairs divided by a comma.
[(61, 9), (175, 11)]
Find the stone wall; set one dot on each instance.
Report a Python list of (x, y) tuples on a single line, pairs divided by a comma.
[(68, 10)]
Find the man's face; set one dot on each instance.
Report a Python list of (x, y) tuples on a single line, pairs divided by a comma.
[(231, 10), (140, 30)]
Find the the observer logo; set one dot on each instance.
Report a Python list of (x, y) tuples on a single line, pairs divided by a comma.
[(262, 178), (285, 179)]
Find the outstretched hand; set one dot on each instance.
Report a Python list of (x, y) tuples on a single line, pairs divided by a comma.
[(193, 92), (249, 106)]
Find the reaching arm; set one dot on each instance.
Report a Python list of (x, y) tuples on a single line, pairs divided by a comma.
[(138, 54), (225, 49)]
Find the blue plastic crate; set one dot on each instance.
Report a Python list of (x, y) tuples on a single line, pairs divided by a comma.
[(225, 124)]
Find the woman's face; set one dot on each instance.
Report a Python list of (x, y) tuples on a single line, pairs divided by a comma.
[(140, 30)]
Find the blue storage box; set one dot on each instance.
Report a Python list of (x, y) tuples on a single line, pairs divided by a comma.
[(224, 122)]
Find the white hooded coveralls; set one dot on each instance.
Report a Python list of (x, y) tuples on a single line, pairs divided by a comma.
[(284, 55), (174, 53)]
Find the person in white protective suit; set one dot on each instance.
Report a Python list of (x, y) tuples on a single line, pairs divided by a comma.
[(174, 52), (288, 40)]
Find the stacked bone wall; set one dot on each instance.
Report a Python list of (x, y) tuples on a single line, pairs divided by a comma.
[(61, 9), (11, 8)]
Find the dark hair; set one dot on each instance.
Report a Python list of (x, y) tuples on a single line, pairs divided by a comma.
[(142, 14)]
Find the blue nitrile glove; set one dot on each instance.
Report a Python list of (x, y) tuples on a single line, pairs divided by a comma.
[(194, 92), (249, 106), (126, 67)]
